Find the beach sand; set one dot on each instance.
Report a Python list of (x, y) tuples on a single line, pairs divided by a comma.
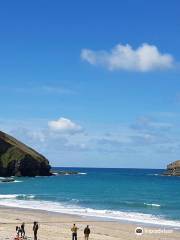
[(57, 227)]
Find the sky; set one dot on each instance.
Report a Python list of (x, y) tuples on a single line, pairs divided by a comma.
[(92, 83)]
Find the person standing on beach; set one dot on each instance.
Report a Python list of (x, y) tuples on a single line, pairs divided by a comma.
[(74, 230), (17, 231), (87, 232), (35, 230), (23, 229)]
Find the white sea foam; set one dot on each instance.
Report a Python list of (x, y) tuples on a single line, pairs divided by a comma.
[(18, 201), (152, 204), (16, 196), (69, 174), (80, 173), (74, 200), (153, 174), (8, 196)]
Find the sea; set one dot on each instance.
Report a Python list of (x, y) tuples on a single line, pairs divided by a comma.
[(133, 195)]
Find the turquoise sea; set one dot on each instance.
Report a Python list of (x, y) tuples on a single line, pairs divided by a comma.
[(140, 195)]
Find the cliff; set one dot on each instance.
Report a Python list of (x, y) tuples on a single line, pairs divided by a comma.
[(173, 169), (17, 159)]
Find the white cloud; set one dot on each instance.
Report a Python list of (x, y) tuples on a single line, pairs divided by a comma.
[(64, 125), (123, 57)]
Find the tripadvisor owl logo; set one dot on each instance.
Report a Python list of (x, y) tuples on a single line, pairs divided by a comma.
[(139, 231)]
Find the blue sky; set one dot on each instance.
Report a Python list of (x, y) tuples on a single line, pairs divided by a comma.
[(92, 83)]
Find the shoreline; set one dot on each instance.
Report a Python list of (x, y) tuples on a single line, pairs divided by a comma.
[(58, 225), (82, 218), (129, 217)]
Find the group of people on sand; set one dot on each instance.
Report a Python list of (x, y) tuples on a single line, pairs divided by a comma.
[(74, 230), (20, 231)]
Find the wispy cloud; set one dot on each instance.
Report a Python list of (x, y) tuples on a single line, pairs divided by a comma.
[(123, 57), (44, 89), (147, 124), (56, 90)]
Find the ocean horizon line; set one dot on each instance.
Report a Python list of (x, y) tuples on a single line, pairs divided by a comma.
[(133, 168)]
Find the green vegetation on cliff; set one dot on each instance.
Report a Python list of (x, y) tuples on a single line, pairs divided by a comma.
[(17, 159)]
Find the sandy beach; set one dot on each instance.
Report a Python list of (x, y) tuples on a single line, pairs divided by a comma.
[(57, 226)]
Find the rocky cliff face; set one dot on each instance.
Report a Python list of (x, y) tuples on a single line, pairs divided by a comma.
[(17, 159), (173, 169)]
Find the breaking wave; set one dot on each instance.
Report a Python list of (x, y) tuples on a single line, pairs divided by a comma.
[(29, 202)]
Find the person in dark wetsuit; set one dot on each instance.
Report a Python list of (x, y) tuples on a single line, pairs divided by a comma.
[(23, 229), (87, 232), (35, 230)]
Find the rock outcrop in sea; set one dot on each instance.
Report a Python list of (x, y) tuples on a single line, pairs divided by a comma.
[(17, 159), (173, 169)]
